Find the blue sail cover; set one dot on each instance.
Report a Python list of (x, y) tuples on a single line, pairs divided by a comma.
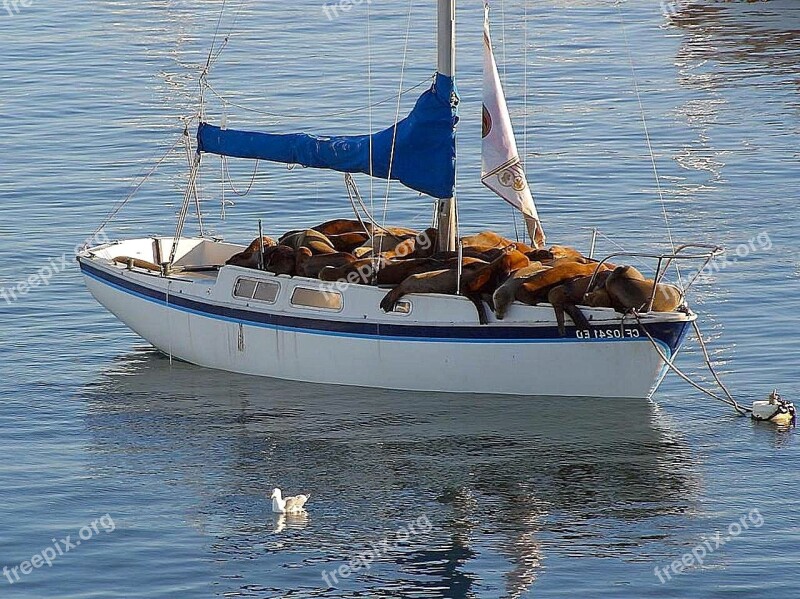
[(424, 147)]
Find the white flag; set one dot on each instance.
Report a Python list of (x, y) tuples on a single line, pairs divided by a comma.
[(502, 170)]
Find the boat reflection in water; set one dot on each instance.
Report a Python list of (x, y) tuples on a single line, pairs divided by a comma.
[(505, 486)]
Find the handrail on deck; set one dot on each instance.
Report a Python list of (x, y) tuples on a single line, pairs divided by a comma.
[(712, 252)]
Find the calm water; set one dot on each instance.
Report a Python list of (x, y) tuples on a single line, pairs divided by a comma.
[(506, 498)]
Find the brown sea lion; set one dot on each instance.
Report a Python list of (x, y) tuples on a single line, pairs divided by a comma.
[(313, 240), (308, 264), (567, 296), (475, 274), (485, 240), (598, 298), (628, 292), (505, 294), (504, 263), (256, 244), (360, 271), (396, 231), (523, 247), (347, 242), (425, 244), (628, 272), (536, 288), (435, 281), (339, 226), (280, 259), (543, 256), (246, 259), (564, 251), (384, 242)]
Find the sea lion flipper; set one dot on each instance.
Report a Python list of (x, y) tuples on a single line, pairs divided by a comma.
[(577, 317), (479, 306), (390, 299), (559, 310)]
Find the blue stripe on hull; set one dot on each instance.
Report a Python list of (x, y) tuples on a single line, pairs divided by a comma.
[(671, 334)]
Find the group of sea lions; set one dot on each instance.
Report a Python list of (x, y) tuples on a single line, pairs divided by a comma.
[(495, 271)]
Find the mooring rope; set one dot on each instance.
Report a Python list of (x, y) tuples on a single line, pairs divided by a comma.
[(669, 363)]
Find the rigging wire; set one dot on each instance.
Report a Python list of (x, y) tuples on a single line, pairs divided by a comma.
[(195, 194), (121, 204), (525, 100), (647, 136), (369, 118), (214, 40), (396, 117), (503, 82)]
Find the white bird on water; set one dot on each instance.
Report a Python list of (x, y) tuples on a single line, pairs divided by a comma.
[(290, 505)]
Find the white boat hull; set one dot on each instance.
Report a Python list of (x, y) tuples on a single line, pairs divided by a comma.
[(437, 347)]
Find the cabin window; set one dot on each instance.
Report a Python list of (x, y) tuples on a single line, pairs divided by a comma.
[(266, 291), (244, 288), (402, 307), (315, 298), (263, 291)]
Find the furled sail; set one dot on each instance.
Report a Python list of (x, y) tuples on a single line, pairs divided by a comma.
[(419, 152), (502, 170)]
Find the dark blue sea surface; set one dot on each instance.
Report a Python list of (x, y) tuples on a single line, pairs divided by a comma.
[(163, 470)]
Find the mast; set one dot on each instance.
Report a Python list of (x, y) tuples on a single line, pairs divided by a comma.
[(446, 209)]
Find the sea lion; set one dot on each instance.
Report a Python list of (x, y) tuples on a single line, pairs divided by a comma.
[(485, 240), (360, 271), (475, 274), (540, 255), (629, 292), (567, 296), (280, 259), (246, 259), (308, 264), (313, 240), (435, 281), (598, 298), (260, 242), (384, 242), (396, 231), (505, 294), (339, 226), (503, 264), (564, 251), (347, 242), (536, 288)]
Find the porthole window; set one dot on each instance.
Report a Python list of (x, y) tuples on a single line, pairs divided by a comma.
[(402, 307), (315, 298)]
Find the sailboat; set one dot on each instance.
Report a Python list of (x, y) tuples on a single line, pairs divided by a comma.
[(178, 293)]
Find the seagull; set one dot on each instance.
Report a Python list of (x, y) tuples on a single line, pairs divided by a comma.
[(290, 505)]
